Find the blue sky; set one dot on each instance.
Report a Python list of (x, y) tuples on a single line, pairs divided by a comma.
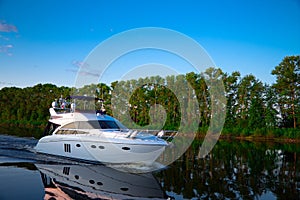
[(45, 41)]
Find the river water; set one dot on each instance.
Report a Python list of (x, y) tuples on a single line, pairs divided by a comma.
[(233, 170)]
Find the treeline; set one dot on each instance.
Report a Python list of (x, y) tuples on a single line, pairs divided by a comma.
[(252, 107), (30, 105)]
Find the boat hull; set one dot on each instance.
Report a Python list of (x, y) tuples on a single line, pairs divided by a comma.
[(104, 150)]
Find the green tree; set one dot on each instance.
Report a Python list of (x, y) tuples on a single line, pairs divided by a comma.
[(256, 115), (244, 100), (287, 87), (270, 111), (231, 83)]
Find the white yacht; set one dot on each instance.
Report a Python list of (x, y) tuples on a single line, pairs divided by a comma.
[(95, 136)]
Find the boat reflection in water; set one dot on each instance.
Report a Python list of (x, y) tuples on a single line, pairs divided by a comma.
[(97, 182)]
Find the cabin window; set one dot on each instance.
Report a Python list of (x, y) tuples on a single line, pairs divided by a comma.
[(69, 131)]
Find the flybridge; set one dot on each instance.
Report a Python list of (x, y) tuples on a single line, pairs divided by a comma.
[(78, 104)]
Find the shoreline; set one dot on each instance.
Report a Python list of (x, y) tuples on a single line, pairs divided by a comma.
[(37, 130), (266, 139), (262, 139)]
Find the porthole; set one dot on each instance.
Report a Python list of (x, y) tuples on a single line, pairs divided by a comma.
[(76, 177), (93, 146), (101, 147), (78, 145), (126, 148), (99, 183), (124, 189), (91, 181)]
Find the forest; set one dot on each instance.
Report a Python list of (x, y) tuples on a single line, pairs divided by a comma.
[(252, 108)]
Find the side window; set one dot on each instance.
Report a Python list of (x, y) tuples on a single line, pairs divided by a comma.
[(50, 128), (108, 125), (53, 127)]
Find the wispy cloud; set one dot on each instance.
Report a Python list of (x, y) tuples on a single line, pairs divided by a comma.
[(5, 49), (86, 73), (4, 27), (80, 64), (4, 38), (82, 69), (83, 73), (5, 83), (72, 70)]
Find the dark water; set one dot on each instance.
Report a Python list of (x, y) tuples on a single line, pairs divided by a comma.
[(233, 170)]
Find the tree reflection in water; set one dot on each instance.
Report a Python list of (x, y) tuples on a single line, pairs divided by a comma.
[(235, 170)]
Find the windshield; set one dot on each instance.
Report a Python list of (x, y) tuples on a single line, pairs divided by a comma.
[(101, 124)]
